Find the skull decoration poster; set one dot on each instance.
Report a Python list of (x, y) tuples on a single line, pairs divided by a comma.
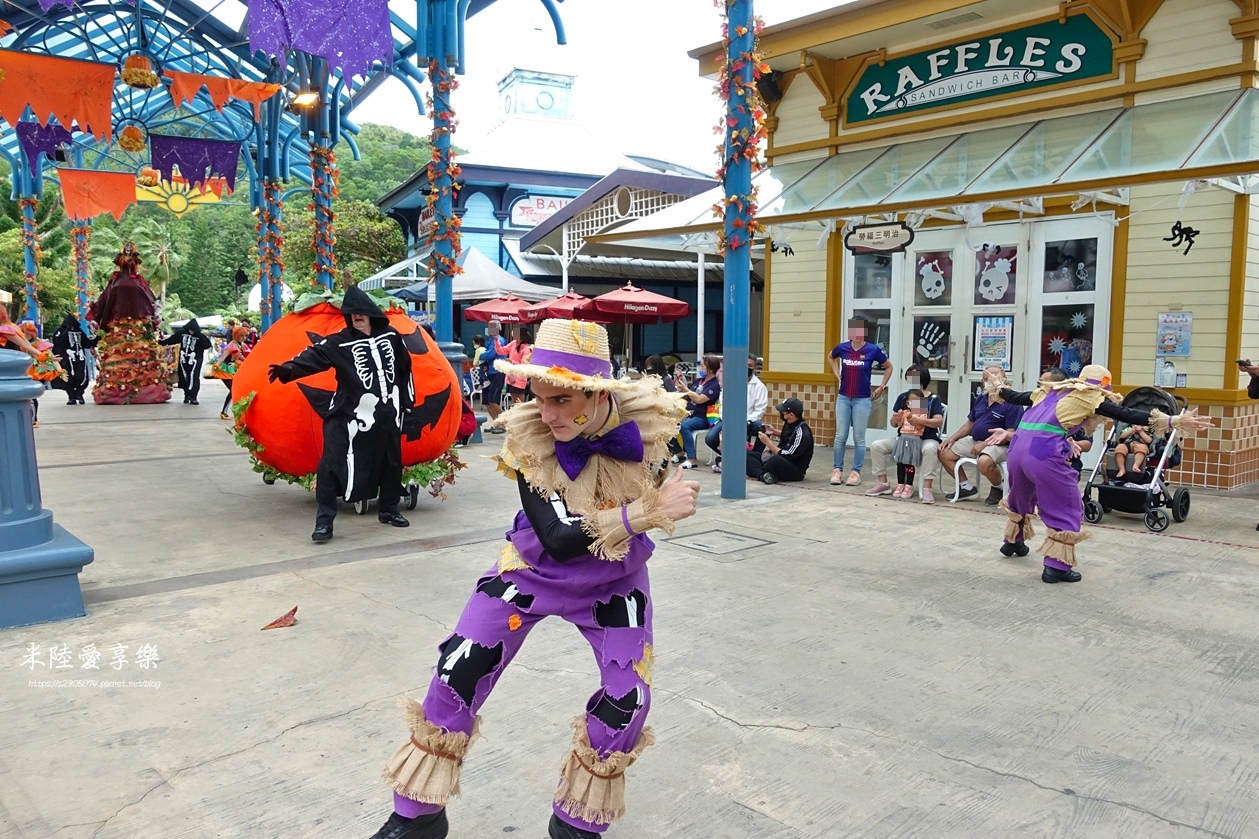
[(994, 342), (995, 268)]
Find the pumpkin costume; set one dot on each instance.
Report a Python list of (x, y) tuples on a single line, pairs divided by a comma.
[(1041, 476), (363, 417), (578, 550)]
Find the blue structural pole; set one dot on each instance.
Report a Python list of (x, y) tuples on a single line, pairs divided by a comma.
[(323, 190), (39, 561), (442, 172), (275, 233), (739, 224), (30, 251)]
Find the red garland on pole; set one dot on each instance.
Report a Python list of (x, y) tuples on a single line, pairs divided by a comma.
[(741, 141), (443, 174), (324, 191), (30, 240)]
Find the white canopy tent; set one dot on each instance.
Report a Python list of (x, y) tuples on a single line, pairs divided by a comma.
[(481, 280)]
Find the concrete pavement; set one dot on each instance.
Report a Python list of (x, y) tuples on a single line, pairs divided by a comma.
[(827, 665)]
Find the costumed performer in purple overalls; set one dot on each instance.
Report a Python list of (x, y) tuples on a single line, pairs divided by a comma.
[(588, 455), (1038, 462)]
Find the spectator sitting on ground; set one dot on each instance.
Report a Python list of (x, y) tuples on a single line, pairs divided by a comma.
[(788, 459), (708, 393), (758, 401), (984, 436), (916, 377)]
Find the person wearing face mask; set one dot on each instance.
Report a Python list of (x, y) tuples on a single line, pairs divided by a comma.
[(916, 377), (758, 401), (788, 458), (852, 362), (984, 436)]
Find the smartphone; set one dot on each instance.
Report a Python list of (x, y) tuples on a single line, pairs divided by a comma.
[(1243, 362)]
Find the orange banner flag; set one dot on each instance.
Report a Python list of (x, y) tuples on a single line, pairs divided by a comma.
[(65, 89), (87, 193), (184, 87)]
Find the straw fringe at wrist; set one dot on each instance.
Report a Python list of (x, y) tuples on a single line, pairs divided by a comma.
[(426, 768), (592, 789), (1060, 544), (1018, 527)]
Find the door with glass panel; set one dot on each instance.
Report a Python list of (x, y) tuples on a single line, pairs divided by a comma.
[(962, 310), (874, 292)]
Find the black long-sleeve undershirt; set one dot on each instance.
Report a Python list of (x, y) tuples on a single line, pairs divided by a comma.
[(1108, 409), (562, 539)]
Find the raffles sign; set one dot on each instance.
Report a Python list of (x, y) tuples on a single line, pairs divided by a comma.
[(1041, 55), (532, 210), (879, 238)]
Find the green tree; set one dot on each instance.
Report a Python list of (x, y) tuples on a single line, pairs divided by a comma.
[(156, 243), (55, 296), (389, 156), (366, 242)]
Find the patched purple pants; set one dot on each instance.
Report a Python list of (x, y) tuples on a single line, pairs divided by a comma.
[(1040, 476), (608, 602)]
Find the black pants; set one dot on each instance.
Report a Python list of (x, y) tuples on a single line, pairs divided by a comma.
[(227, 401), (193, 385), (776, 465), (327, 509)]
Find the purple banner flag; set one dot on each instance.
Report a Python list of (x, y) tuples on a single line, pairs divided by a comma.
[(194, 156), (38, 139), (349, 34)]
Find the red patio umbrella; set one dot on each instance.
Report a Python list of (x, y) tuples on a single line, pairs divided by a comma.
[(568, 305), (502, 309), (631, 304)]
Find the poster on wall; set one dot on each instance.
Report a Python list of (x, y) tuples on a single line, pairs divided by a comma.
[(1070, 265), (1175, 330), (933, 271), (994, 342)]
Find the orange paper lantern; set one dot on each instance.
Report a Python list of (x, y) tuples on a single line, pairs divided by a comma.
[(131, 139), (280, 417), (137, 71)]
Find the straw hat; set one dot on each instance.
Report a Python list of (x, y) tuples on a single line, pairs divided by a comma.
[(571, 354), (1096, 374)]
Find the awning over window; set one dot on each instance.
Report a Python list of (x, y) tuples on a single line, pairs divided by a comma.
[(1215, 135)]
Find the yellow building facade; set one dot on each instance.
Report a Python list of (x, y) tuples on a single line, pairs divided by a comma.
[(1078, 180)]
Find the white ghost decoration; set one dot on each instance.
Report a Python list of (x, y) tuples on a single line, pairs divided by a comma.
[(932, 281), (995, 282)]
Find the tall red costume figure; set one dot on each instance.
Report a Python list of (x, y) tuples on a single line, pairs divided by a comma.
[(131, 371)]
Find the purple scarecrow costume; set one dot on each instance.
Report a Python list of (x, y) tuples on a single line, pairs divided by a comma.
[(1041, 476), (577, 550)]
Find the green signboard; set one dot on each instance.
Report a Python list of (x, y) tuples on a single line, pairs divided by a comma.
[(1041, 55)]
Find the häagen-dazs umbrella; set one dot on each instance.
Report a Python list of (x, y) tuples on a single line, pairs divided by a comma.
[(569, 305), (631, 304), (502, 309)]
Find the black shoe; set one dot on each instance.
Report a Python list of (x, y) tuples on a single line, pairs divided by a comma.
[(71, 402), (395, 519), (994, 497), (967, 492), (769, 478), (1053, 575), (81, 402), (323, 532), (558, 829), (433, 826), (1014, 549), (193, 402)]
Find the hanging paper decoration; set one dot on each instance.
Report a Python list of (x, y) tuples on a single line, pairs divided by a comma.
[(184, 88), (349, 34), (48, 4), (176, 196), (64, 89), (132, 138), (137, 72), (87, 193), (196, 159), (39, 139)]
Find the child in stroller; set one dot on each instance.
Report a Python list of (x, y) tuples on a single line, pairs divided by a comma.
[(1134, 439)]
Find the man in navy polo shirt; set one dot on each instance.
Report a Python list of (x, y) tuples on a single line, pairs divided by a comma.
[(984, 436)]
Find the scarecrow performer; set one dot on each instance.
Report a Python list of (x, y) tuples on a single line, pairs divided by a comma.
[(363, 418), (1041, 474), (588, 456), (71, 344)]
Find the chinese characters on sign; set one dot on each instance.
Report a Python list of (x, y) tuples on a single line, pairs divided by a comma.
[(1182, 234), (879, 238), (61, 657), (1174, 332), (994, 339)]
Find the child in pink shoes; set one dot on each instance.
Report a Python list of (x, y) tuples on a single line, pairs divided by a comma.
[(908, 451)]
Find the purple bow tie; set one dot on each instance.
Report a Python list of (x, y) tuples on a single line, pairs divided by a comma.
[(622, 443)]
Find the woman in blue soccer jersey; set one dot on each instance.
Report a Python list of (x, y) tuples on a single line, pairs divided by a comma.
[(851, 362)]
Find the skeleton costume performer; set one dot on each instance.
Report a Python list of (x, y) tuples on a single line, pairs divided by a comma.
[(362, 419), (578, 550), (1039, 462), (71, 345), (193, 344)]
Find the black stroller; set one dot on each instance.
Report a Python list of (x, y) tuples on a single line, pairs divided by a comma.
[(1148, 494)]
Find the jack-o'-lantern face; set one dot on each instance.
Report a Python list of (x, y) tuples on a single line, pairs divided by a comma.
[(281, 417)]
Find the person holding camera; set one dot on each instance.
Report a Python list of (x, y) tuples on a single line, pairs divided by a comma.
[(788, 459), (758, 401)]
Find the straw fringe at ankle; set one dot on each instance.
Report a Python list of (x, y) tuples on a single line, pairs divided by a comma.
[(591, 789), (426, 768), (1060, 545), (1018, 527)]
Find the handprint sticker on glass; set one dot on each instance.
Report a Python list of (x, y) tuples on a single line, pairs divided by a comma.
[(931, 341)]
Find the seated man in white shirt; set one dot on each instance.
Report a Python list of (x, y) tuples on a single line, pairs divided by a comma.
[(916, 376), (758, 401)]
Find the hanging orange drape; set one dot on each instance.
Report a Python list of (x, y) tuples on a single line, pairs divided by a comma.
[(184, 87), (67, 89), (87, 193)]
